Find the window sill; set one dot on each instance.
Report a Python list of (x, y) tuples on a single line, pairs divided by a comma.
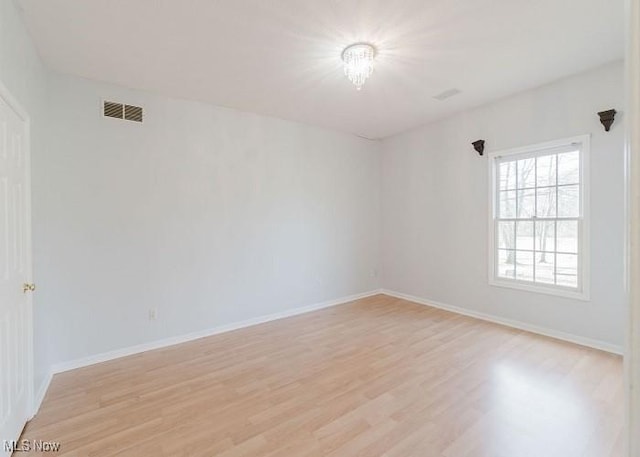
[(536, 288)]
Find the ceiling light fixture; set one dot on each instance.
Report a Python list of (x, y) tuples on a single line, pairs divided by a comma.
[(358, 62)]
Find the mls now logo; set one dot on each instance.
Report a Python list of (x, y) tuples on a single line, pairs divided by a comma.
[(9, 446), (30, 445)]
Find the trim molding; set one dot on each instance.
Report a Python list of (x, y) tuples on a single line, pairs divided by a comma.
[(632, 245), (39, 396), (144, 347), (582, 341)]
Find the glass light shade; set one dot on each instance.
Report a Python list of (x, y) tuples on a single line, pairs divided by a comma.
[(358, 63)]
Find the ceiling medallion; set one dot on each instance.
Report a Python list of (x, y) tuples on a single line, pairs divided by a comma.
[(358, 62)]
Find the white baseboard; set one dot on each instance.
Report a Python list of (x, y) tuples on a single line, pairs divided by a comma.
[(39, 395), (595, 344), (131, 350)]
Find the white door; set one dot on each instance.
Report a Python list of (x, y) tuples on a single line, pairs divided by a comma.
[(15, 273)]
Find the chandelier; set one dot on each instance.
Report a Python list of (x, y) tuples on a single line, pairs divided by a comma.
[(358, 63)]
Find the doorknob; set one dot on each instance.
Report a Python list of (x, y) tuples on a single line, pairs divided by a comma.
[(28, 287)]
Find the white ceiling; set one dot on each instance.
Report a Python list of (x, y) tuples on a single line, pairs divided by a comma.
[(282, 57)]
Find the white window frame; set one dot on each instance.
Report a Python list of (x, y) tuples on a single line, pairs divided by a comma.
[(584, 279)]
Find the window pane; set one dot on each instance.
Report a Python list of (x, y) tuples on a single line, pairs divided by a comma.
[(524, 235), (568, 201), (507, 175), (526, 173), (534, 190), (567, 270), (545, 262), (545, 236), (507, 204), (546, 170), (568, 236), (569, 167), (546, 202), (506, 266), (506, 235), (524, 266), (526, 204)]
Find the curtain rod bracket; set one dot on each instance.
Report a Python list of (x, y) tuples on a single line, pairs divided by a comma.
[(606, 118), (478, 145)]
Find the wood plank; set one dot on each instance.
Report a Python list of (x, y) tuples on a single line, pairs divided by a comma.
[(376, 377)]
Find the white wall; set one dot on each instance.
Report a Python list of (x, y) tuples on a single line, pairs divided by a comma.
[(22, 72), (435, 205), (210, 215)]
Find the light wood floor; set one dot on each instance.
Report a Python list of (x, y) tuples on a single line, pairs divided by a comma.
[(377, 377)]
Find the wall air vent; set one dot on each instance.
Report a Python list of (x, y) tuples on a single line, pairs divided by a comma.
[(133, 113), (112, 109), (122, 111)]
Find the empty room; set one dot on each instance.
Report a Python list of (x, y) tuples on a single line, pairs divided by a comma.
[(320, 228)]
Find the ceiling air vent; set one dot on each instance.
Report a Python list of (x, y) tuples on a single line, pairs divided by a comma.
[(122, 111), (447, 94)]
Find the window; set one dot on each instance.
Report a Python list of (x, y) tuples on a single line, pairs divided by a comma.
[(538, 223)]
